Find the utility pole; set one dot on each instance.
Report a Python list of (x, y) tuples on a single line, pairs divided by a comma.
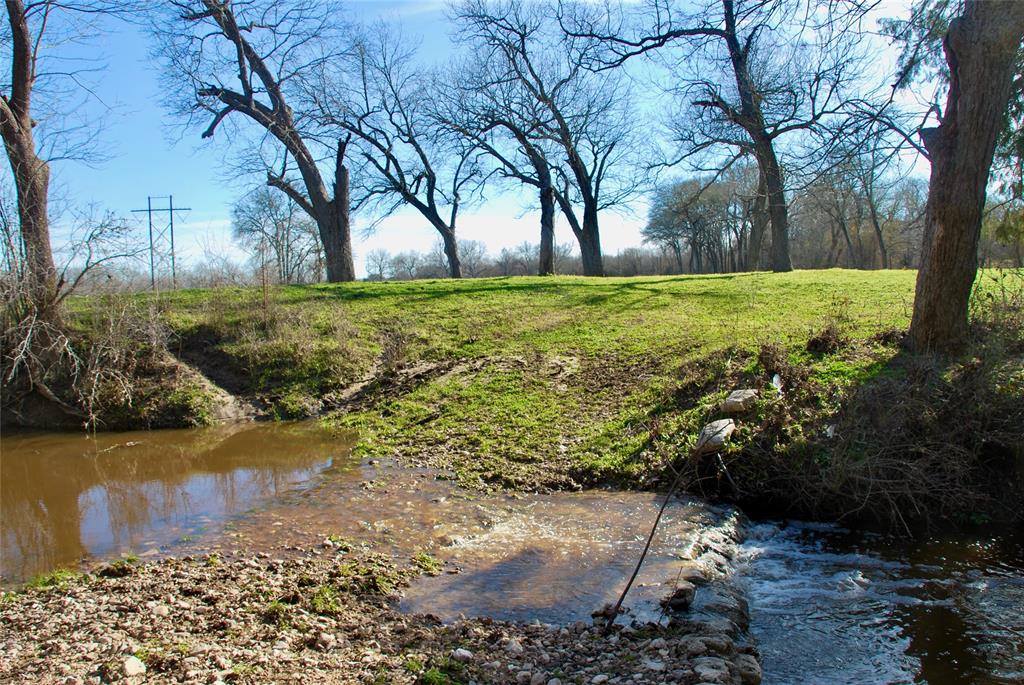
[(161, 239)]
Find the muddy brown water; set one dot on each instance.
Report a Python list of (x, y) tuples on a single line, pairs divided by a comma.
[(65, 497), (826, 605)]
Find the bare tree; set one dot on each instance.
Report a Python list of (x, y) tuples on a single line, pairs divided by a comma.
[(474, 257), (405, 265), (378, 265), (383, 100), (982, 48), (268, 50), (585, 115), (266, 220), (750, 74), (31, 174), (41, 82)]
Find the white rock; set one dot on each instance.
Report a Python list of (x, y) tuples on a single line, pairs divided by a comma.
[(739, 401), (555, 681), (654, 665), (161, 610), (714, 436), (133, 666), (599, 678), (513, 647), (462, 655)]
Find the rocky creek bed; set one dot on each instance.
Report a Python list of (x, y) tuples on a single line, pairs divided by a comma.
[(326, 618), (345, 578)]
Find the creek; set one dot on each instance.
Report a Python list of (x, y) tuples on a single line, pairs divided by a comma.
[(826, 605)]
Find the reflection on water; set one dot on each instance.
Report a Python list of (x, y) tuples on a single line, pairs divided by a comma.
[(64, 497), (831, 606)]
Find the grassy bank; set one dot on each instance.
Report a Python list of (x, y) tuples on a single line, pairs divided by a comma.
[(533, 383)]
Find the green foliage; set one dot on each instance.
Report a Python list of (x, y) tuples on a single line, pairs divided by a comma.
[(188, 404), (276, 613), (373, 574), (428, 564), (444, 672), (54, 579), (326, 601)]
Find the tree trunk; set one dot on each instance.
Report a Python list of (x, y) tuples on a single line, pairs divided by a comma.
[(883, 253), (981, 49), (31, 174), (547, 231), (32, 184), (758, 222), (677, 251), (851, 254), (335, 229), (590, 244), (451, 251), (587, 235), (778, 213)]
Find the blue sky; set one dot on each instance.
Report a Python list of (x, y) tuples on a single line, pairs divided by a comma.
[(149, 153)]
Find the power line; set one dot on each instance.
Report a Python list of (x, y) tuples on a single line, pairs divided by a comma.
[(161, 238)]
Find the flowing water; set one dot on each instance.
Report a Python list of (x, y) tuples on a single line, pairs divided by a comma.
[(834, 606), (826, 605)]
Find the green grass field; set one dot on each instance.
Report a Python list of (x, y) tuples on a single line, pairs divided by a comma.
[(565, 382), (522, 382)]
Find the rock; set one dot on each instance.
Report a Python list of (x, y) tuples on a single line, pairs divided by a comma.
[(739, 401), (555, 681), (133, 666), (72, 680), (513, 647), (462, 655), (654, 665), (682, 597), (326, 641), (658, 643), (711, 669), (600, 678), (750, 670), (714, 436), (538, 679)]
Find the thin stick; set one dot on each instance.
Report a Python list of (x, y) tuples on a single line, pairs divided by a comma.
[(643, 555)]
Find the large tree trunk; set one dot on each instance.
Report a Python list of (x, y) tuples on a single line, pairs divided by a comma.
[(590, 244), (758, 222), (547, 231), (587, 235), (331, 214), (337, 238), (451, 251), (31, 174), (981, 48), (778, 212), (32, 184)]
